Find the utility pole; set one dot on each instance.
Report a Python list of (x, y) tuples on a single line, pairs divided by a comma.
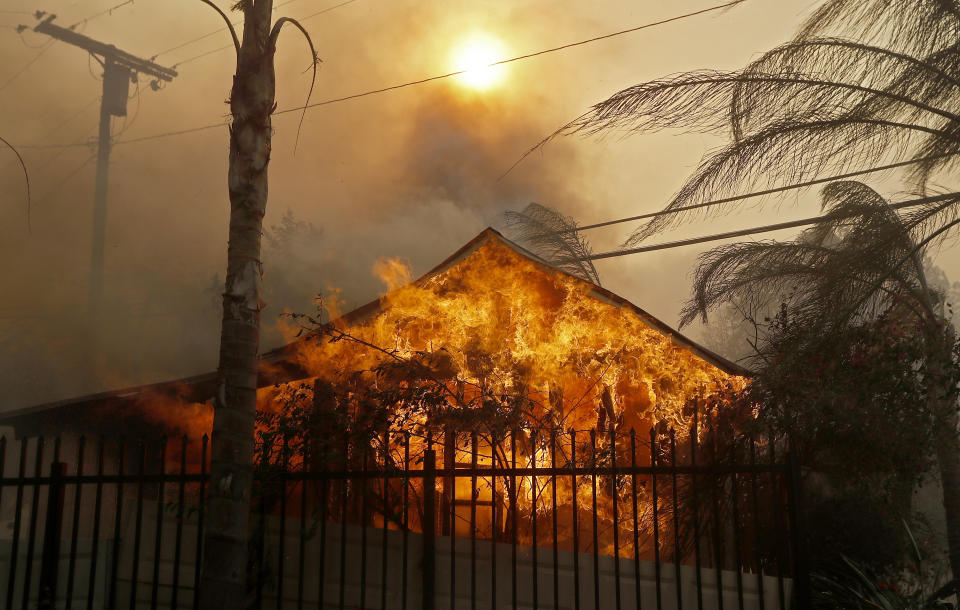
[(119, 70)]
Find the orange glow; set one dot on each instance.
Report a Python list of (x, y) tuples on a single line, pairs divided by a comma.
[(495, 324), (497, 318), (475, 55)]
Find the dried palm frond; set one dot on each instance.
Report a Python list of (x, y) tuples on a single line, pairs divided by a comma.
[(554, 238), (860, 261)]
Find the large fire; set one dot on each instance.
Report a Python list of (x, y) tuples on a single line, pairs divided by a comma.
[(534, 353), (498, 320)]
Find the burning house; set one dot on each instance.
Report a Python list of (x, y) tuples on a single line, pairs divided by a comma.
[(493, 398), (493, 323)]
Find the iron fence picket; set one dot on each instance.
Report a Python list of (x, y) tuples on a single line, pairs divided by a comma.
[(117, 523), (386, 508), (656, 519), (50, 557), (695, 501), (32, 536), (533, 522), (636, 521), (758, 559), (158, 529), (514, 508), (576, 521), (178, 544), (556, 542), (198, 558), (17, 523), (595, 532), (95, 537), (616, 518), (474, 459)]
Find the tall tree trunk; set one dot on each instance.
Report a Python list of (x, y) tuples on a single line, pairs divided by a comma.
[(947, 434), (251, 103), (948, 460), (948, 447)]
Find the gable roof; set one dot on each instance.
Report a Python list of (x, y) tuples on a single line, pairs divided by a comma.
[(280, 365)]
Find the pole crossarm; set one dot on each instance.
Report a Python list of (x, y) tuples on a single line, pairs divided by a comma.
[(107, 51)]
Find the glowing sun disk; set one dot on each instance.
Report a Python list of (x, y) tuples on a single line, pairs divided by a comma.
[(474, 56)]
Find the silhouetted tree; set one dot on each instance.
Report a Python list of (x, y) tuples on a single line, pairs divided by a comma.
[(861, 354)]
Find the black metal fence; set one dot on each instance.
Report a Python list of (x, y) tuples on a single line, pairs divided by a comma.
[(403, 521)]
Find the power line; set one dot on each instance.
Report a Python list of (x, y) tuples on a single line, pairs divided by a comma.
[(108, 11), (770, 191), (26, 67), (517, 58), (754, 230), (441, 76), (65, 179)]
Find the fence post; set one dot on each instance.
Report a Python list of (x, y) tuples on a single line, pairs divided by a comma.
[(801, 564), (51, 537), (429, 525)]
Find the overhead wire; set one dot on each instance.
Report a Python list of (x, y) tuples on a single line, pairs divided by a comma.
[(770, 191), (21, 71), (439, 77), (52, 190), (108, 11), (755, 230), (518, 57)]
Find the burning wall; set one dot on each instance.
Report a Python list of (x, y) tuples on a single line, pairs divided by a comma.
[(495, 320)]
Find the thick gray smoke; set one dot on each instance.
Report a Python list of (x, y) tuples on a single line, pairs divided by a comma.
[(413, 173)]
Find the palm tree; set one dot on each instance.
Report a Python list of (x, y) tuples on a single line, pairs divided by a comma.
[(231, 467), (863, 81), (862, 263)]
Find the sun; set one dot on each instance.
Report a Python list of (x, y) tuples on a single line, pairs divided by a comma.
[(474, 55)]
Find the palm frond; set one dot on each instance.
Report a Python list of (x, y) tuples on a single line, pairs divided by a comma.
[(860, 261), (916, 27), (553, 237), (863, 80), (785, 152)]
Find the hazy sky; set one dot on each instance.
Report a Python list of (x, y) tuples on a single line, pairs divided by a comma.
[(413, 173)]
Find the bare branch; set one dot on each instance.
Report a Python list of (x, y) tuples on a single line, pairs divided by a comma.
[(233, 32), (26, 177), (274, 35)]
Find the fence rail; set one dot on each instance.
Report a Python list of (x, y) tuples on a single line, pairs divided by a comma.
[(395, 520)]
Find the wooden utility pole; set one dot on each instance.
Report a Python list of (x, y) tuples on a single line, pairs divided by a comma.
[(119, 70)]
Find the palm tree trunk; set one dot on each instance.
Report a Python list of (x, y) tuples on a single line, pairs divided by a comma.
[(948, 459), (251, 102), (947, 440)]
